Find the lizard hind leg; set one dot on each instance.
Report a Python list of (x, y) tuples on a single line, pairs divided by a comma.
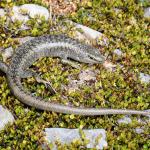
[(29, 73), (47, 84)]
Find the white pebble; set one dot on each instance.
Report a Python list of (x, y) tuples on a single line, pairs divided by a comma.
[(147, 12), (33, 10), (5, 117), (125, 120), (66, 136), (118, 52), (145, 77)]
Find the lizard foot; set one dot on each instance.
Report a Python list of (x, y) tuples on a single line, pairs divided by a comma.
[(47, 84), (29, 73)]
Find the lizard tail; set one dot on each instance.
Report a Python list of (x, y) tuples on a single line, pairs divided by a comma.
[(37, 102)]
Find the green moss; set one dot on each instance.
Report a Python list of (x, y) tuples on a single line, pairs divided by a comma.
[(126, 30)]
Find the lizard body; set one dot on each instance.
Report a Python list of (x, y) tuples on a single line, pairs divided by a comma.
[(53, 46)]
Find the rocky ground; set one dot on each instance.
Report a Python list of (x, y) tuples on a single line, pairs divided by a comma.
[(121, 31)]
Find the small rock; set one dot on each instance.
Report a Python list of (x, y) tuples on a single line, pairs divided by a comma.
[(2, 12), (7, 53), (125, 120), (5, 117), (92, 34), (85, 33), (30, 10), (145, 77), (147, 12), (81, 37), (74, 85), (33, 10), (109, 66), (18, 16), (87, 75), (139, 130), (66, 136), (84, 77), (118, 52)]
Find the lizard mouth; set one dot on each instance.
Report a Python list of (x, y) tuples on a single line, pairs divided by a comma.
[(98, 59)]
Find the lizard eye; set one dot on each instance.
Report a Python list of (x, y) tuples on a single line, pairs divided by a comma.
[(91, 56)]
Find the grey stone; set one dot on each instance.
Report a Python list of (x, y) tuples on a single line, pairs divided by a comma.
[(87, 34), (125, 120), (118, 52), (147, 12), (5, 117), (93, 34), (2, 12), (144, 78), (84, 77), (87, 75), (33, 10), (66, 136), (7, 53), (74, 85), (109, 66), (18, 16), (139, 130)]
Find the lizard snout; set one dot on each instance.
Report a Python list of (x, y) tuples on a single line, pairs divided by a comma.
[(98, 59)]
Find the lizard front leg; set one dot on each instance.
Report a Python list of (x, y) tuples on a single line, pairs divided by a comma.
[(71, 63)]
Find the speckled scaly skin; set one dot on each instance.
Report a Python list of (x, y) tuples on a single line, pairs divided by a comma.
[(53, 46)]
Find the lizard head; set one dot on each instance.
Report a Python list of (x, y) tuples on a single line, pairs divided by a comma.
[(92, 55)]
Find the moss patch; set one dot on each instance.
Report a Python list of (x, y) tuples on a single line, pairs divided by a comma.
[(127, 30)]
